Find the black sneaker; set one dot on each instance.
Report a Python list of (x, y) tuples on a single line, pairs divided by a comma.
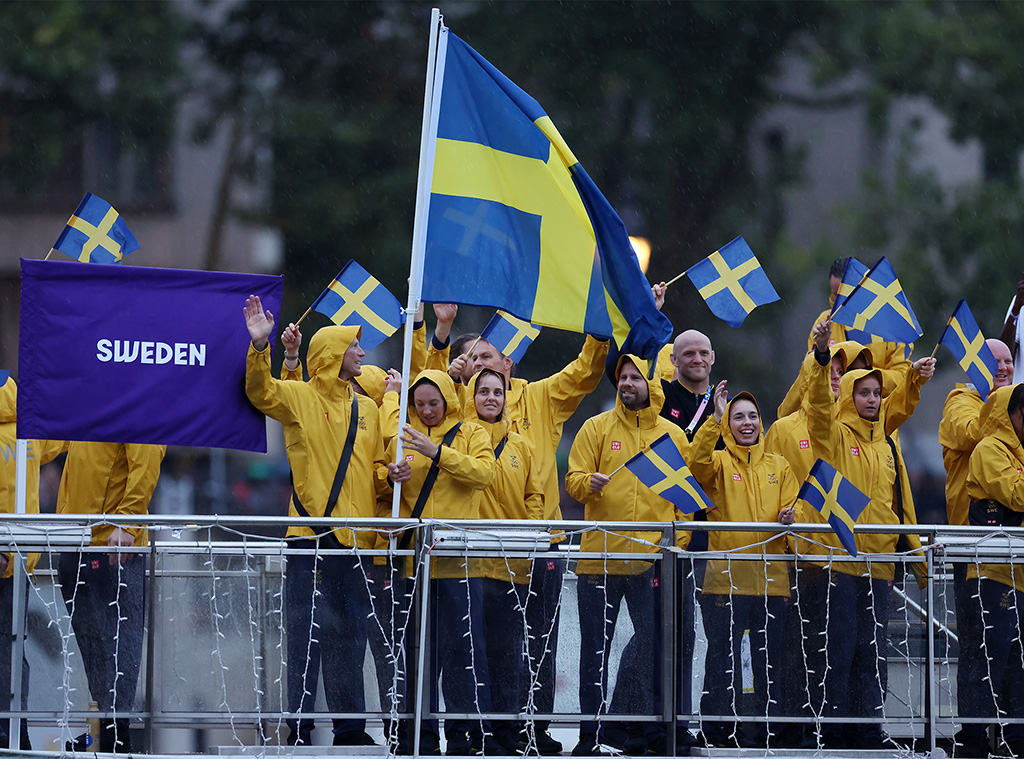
[(635, 745), (115, 737), (587, 746), (546, 745), (353, 738), (458, 745), (299, 738)]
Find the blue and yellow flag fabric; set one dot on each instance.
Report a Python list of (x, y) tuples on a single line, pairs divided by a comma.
[(732, 282), (662, 469), (4, 376), (879, 307), (355, 298), (510, 335), (514, 222), (853, 274), (836, 499), (96, 234), (962, 335)]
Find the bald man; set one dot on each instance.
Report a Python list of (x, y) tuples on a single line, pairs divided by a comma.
[(688, 395), (959, 433)]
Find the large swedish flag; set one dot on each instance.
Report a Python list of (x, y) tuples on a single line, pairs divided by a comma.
[(514, 222)]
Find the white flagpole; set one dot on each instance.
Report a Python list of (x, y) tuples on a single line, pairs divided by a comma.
[(424, 179)]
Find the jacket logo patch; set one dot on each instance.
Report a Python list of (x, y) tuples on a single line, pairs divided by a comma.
[(551, 566), (675, 413), (772, 479), (525, 424), (654, 582), (737, 477), (805, 444), (616, 445), (831, 341), (95, 563), (362, 422), (855, 450), (513, 462), (327, 416), (410, 457)]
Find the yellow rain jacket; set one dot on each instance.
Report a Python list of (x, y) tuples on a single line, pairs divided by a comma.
[(959, 433), (857, 448), (604, 443), (466, 469), (516, 492), (996, 471), (110, 478), (316, 416), (797, 396), (748, 485), (39, 452)]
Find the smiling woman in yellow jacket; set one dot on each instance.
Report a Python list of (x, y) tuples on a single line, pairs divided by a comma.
[(460, 454), (848, 604), (516, 493), (605, 442), (748, 485)]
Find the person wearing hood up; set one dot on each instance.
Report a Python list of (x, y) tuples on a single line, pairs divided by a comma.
[(537, 410), (748, 485), (336, 453), (959, 434), (39, 452), (516, 493), (603, 444), (995, 486), (448, 464), (847, 603)]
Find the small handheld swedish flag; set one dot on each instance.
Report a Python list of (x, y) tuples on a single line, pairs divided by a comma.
[(879, 307), (510, 335), (836, 499), (732, 282), (96, 234), (963, 337), (356, 298), (662, 469)]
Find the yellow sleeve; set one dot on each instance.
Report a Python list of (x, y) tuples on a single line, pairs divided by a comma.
[(565, 390), (584, 460), (275, 398), (821, 417), (420, 353), (291, 375), (960, 428), (902, 401), (796, 392), (705, 465), (389, 416), (437, 358), (143, 473), (534, 495), (995, 472), (476, 467)]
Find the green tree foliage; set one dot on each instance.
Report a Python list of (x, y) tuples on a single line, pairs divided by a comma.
[(66, 66)]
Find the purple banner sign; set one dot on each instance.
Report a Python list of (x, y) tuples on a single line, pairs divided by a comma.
[(137, 355)]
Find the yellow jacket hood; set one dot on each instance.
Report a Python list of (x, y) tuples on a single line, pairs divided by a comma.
[(744, 452), (469, 412), (373, 381), (995, 419), (647, 416), (444, 383), (847, 412), (326, 351)]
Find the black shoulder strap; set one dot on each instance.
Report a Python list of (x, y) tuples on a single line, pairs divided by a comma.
[(428, 484), (500, 448), (898, 490), (339, 475)]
